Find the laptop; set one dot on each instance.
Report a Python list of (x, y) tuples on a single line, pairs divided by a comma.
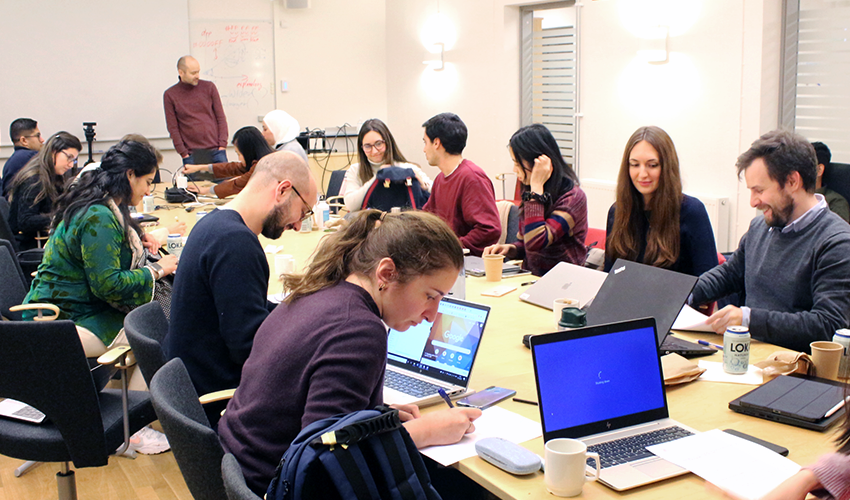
[(564, 281), (435, 355), (474, 266), (11, 408), (603, 385), (634, 290)]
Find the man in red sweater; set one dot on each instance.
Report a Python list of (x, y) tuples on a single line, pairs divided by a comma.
[(194, 115), (462, 194)]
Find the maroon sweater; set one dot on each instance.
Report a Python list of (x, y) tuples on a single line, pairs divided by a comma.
[(466, 201), (194, 117), (322, 355)]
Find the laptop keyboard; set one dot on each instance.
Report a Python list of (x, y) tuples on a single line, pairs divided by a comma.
[(409, 385), (632, 448)]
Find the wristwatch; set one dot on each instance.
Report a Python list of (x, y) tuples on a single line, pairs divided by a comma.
[(544, 198)]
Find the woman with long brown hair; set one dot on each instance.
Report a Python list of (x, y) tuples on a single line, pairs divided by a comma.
[(652, 222), (323, 351)]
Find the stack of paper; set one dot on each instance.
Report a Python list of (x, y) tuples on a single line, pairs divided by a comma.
[(690, 319)]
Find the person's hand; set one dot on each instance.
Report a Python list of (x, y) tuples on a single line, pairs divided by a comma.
[(728, 316), (149, 242), (168, 264), (222, 149), (177, 228), (540, 173), (184, 156), (406, 412), (442, 427), (191, 169), (421, 181), (509, 251)]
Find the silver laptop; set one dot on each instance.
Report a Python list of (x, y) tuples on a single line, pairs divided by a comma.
[(603, 385), (435, 355), (11, 408), (565, 281)]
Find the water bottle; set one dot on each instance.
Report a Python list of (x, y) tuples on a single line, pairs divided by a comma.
[(323, 213)]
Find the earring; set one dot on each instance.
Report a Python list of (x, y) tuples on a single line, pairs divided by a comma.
[(381, 286)]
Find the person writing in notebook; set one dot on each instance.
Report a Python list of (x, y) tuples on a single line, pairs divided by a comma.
[(324, 350), (793, 264)]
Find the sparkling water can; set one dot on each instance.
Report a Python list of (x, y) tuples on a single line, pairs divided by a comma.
[(736, 349), (843, 337), (174, 244)]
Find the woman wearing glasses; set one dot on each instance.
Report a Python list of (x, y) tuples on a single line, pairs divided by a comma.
[(376, 149), (37, 186)]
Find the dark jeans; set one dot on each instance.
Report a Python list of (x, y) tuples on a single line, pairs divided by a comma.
[(219, 156)]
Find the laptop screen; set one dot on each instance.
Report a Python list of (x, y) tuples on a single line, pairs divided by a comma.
[(444, 349), (597, 379)]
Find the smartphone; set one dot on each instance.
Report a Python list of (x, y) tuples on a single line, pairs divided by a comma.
[(486, 398)]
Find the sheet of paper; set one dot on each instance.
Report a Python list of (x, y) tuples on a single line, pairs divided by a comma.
[(689, 319), (735, 465), (714, 373), (494, 422)]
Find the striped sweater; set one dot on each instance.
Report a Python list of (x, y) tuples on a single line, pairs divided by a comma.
[(545, 240)]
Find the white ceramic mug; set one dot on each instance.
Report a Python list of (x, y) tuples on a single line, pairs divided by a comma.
[(566, 465), (284, 264), (559, 304)]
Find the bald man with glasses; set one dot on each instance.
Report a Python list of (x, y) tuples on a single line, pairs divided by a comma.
[(220, 293)]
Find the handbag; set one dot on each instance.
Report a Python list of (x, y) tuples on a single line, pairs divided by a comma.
[(162, 288)]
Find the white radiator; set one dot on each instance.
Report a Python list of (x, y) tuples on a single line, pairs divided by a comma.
[(601, 195)]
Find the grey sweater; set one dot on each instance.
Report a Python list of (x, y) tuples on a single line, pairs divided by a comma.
[(797, 284)]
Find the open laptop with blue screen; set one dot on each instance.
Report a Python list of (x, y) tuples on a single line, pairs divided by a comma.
[(432, 355), (603, 385)]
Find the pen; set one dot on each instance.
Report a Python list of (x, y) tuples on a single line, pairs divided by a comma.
[(519, 400), (835, 408), (445, 397), (705, 342), (529, 283)]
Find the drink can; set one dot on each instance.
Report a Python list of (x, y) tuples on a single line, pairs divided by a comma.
[(148, 204), (174, 245), (199, 216), (306, 225), (736, 349), (843, 337)]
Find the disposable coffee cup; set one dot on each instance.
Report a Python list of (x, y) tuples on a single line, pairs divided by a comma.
[(148, 205), (827, 357), (493, 267), (565, 470), (559, 304), (284, 264)]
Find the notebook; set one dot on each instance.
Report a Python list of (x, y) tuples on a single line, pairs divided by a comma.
[(603, 385), (11, 408), (432, 355), (633, 290), (565, 281)]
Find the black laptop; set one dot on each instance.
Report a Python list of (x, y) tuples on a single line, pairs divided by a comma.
[(634, 290)]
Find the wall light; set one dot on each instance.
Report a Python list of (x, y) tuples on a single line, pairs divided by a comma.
[(643, 17), (655, 93), (655, 49), (438, 34), (437, 65)]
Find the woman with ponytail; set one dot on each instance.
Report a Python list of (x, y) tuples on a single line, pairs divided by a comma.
[(94, 264), (323, 351)]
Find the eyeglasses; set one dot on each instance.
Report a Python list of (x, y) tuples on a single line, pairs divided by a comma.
[(71, 159), (379, 146), (38, 135), (309, 212)]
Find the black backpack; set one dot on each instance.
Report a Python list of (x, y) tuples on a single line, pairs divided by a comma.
[(363, 455), (395, 187)]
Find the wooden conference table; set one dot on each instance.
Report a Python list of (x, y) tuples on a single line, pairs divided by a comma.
[(505, 362)]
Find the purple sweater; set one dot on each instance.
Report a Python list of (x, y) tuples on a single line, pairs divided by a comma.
[(322, 355), (833, 473), (194, 117)]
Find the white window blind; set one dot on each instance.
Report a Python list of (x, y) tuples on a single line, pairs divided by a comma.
[(816, 73)]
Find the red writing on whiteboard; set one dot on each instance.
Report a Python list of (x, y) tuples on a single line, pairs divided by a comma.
[(206, 44), (206, 33), (244, 83), (242, 33)]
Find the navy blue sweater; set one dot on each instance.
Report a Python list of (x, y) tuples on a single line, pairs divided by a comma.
[(15, 162), (697, 251), (219, 301)]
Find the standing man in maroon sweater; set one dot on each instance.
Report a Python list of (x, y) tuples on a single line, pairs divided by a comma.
[(194, 115), (462, 194)]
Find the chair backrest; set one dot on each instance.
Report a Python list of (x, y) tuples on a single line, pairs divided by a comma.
[(195, 444), (14, 287), (43, 365), (837, 178), (234, 481), (596, 237), (513, 224), (334, 187), (146, 328), (5, 229)]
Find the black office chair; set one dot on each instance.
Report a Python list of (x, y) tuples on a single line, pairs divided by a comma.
[(837, 178), (194, 443), (146, 328), (28, 259), (513, 225), (234, 481), (333, 196), (43, 365), (14, 287)]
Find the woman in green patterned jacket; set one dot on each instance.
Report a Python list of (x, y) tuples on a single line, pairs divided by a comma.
[(94, 262)]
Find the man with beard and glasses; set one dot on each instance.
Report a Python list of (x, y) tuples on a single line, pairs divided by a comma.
[(220, 296), (792, 267)]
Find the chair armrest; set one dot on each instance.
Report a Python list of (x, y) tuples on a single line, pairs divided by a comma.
[(212, 397), (117, 356), (39, 308)]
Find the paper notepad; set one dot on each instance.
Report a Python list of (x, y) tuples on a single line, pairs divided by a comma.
[(737, 466), (689, 319)]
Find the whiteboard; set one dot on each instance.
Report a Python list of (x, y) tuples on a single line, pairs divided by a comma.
[(63, 63), (238, 56)]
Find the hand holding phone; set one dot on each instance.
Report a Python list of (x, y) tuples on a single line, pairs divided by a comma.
[(486, 398)]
